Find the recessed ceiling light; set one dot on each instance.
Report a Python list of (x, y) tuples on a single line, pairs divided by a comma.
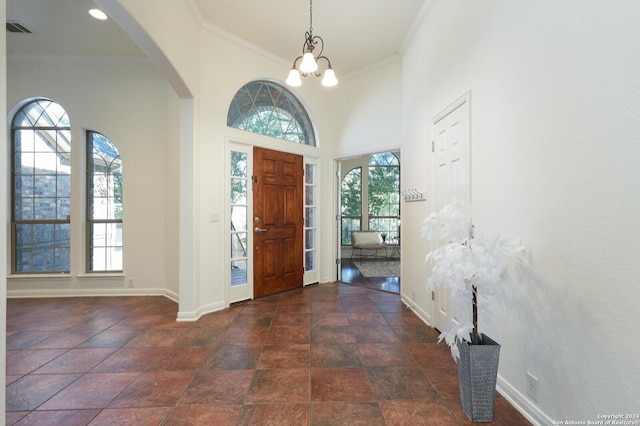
[(98, 14)]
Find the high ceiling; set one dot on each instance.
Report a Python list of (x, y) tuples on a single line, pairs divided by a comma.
[(357, 33)]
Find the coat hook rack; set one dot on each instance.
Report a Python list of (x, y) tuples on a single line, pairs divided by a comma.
[(414, 195)]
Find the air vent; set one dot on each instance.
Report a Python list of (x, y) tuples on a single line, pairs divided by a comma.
[(17, 27)]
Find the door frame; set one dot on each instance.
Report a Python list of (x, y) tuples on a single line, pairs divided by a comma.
[(308, 153), (336, 188)]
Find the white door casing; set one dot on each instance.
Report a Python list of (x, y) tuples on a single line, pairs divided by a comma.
[(451, 178)]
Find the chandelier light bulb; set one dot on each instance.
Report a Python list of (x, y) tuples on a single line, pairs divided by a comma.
[(98, 14), (294, 79), (329, 79), (308, 64)]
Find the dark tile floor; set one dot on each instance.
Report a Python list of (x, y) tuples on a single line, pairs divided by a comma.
[(329, 354)]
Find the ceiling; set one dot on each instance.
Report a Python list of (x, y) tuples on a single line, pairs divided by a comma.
[(357, 33)]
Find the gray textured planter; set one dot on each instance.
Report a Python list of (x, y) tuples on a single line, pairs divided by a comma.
[(478, 373)]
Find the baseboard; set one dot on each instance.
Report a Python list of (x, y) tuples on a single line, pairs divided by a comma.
[(79, 292), (203, 310), (415, 308), (522, 404)]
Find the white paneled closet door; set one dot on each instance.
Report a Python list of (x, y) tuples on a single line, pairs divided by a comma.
[(451, 147)]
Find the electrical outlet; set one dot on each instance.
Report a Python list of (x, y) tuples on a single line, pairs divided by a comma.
[(130, 282), (532, 386)]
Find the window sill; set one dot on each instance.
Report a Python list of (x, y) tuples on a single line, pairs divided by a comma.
[(100, 275), (65, 276), (60, 276)]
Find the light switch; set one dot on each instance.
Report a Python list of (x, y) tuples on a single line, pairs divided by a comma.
[(214, 217)]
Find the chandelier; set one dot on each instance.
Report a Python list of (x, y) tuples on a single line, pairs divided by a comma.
[(309, 61)]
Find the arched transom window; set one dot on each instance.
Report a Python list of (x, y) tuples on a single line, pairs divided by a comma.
[(269, 109)]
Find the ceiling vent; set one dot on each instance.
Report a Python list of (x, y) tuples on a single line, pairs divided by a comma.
[(17, 27)]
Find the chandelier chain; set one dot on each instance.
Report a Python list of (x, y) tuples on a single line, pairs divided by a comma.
[(310, 16)]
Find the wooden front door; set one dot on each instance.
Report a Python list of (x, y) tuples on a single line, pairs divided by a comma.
[(278, 221)]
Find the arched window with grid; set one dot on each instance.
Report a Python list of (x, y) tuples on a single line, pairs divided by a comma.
[(104, 204), (269, 109), (41, 188)]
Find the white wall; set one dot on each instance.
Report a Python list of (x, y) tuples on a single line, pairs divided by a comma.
[(129, 103), (366, 111), (554, 99)]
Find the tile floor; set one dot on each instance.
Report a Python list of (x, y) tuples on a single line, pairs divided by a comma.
[(329, 354)]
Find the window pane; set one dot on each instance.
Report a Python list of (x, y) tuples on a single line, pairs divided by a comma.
[(23, 235), (310, 196), (238, 245), (24, 186), (98, 234), (24, 209), (23, 259), (63, 235), (45, 208), (43, 260), (310, 173), (238, 191), (25, 141), (64, 208), (239, 164), (349, 225), (43, 236), (351, 193), (238, 218), (310, 238), (64, 185), (62, 256), (310, 260), (238, 272), (310, 217), (45, 162), (45, 185), (99, 185)]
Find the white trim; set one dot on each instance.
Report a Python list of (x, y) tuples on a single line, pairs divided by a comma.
[(203, 310), (391, 148), (417, 23), (522, 404), (466, 98), (424, 316), (102, 292), (78, 58)]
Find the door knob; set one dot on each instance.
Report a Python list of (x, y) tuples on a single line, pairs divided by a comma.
[(260, 229)]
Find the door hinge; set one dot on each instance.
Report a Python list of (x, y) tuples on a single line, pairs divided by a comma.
[(338, 261), (254, 181), (433, 295), (433, 146)]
